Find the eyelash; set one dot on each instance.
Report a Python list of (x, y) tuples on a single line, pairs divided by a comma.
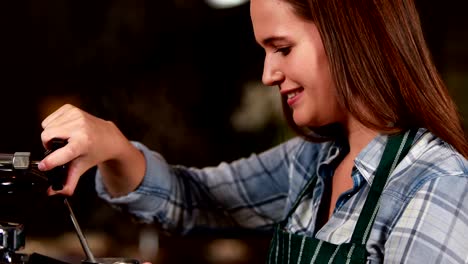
[(284, 51)]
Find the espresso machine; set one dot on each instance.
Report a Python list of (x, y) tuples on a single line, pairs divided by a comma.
[(23, 186)]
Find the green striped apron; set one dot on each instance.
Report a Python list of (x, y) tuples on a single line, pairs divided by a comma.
[(291, 248)]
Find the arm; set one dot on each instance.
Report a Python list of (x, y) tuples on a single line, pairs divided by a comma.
[(249, 192), (433, 226)]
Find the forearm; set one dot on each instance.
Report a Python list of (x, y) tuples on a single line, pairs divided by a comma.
[(182, 198), (164, 196), (123, 174)]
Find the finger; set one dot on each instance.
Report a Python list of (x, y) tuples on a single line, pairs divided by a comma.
[(71, 115), (56, 114), (59, 157), (64, 132), (76, 169), (51, 192), (71, 124)]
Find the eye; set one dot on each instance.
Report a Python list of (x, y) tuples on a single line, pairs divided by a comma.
[(283, 50)]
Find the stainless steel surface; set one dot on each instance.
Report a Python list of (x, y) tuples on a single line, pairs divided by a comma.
[(12, 236), (18, 160), (11, 239), (21, 160), (112, 261), (6, 160), (83, 241)]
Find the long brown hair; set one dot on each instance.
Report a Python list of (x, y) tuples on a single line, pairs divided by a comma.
[(380, 61)]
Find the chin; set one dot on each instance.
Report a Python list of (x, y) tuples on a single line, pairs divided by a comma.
[(307, 120), (304, 121)]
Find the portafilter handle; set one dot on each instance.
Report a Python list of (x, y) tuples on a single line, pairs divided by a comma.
[(58, 175)]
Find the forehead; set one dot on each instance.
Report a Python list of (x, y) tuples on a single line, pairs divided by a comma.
[(270, 17), (275, 19)]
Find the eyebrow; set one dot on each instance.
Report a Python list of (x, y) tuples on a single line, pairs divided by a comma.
[(269, 40)]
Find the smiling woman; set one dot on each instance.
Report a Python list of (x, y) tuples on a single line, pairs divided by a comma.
[(379, 160), (295, 60)]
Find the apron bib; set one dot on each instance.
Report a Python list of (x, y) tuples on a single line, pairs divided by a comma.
[(288, 248)]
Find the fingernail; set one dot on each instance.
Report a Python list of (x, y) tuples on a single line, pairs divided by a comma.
[(41, 166)]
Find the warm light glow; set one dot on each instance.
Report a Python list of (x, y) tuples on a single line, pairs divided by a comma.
[(225, 3), (227, 251)]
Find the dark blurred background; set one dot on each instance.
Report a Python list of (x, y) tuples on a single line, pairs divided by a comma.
[(183, 77)]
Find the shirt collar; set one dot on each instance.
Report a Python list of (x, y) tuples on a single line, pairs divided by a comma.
[(366, 162), (332, 153), (368, 159)]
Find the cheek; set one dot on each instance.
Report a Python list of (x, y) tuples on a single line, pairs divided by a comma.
[(310, 68), (321, 92)]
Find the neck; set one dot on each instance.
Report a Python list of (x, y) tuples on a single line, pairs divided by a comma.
[(358, 136)]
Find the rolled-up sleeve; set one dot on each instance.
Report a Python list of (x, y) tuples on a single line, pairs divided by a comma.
[(249, 192)]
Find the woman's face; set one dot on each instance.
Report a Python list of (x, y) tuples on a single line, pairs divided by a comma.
[(295, 60)]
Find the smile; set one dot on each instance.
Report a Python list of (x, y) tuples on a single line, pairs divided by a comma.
[(291, 95)]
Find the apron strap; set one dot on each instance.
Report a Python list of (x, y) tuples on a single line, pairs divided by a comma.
[(396, 148), (309, 186)]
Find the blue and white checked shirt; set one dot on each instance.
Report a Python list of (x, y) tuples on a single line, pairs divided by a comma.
[(423, 215)]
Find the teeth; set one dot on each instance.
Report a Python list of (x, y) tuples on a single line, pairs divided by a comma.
[(291, 95)]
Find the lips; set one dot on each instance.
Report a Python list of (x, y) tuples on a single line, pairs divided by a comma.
[(292, 95)]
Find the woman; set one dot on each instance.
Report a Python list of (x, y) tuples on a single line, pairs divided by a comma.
[(378, 174)]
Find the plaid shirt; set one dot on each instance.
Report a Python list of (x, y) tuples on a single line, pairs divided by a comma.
[(423, 215)]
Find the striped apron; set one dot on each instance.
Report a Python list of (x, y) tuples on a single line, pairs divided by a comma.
[(288, 248)]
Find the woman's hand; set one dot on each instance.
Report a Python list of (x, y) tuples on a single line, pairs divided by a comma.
[(91, 141)]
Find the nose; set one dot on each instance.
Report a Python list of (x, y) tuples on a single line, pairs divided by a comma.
[(272, 75)]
